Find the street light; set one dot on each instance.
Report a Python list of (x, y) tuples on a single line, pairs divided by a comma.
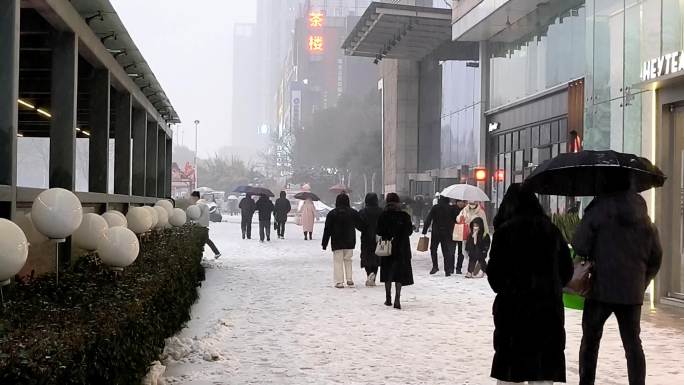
[(197, 122)]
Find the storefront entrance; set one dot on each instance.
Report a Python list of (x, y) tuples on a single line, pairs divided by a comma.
[(675, 287)]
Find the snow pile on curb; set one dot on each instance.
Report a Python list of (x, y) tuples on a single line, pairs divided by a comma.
[(196, 349), (153, 377)]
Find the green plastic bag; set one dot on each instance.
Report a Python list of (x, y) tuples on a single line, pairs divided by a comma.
[(573, 301)]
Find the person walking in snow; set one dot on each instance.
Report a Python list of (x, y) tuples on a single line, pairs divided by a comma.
[(204, 220), (442, 218), (340, 231), (477, 247), (395, 225), (282, 208), (265, 208), (369, 217), (617, 235), (247, 209), (307, 216), (529, 264)]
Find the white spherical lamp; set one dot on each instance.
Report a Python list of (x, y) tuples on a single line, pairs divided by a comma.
[(90, 232), (33, 236), (168, 206), (57, 213), (153, 215), (13, 250), (139, 220), (115, 218), (194, 212), (118, 248), (162, 217), (178, 218)]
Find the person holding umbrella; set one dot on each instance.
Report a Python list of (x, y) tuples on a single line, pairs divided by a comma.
[(282, 208), (247, 209), (617, 237), (307, 213)]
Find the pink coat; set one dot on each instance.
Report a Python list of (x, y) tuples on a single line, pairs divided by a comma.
[(308, 213)]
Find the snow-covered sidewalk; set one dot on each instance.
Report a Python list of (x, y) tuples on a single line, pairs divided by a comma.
[(268, 314)]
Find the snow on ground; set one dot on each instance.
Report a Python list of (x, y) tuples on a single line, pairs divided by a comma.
[(268, 314)]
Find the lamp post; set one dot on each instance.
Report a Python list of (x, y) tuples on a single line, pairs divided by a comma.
[(196, 174)]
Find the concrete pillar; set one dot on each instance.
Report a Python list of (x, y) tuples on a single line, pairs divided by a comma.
[(63, 110), (98, 154), (484, 101), (139, 151), (9, 92), (151, 160), (169, 163), (161, 163), (122, 144)]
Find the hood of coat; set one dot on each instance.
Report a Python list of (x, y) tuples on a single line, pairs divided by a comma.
[(372, 200), (283, 194), (342, 201), (624, 207), (442, 200), (263, 198)]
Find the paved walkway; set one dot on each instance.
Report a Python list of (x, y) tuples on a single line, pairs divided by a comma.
[(268, 314)]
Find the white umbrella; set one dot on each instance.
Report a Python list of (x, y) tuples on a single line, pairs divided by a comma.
[(465, 192)]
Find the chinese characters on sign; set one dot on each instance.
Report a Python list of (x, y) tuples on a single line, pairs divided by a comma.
[(315, 41), (315, 19)]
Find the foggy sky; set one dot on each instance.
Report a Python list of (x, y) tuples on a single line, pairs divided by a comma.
[(189, 46)]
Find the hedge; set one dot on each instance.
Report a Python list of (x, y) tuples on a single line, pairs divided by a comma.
[(94, 329)]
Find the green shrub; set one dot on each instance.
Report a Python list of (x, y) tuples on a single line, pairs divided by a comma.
[(567, 223), (94, 329)]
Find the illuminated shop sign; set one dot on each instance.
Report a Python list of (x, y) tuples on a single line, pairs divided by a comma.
[(665, 65), (315, 40), (315, 19)]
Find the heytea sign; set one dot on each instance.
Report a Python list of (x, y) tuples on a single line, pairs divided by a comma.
[(664, 65)]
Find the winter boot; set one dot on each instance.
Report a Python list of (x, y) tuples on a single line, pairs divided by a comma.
[(388, 293), (305, 236), (434, 270)]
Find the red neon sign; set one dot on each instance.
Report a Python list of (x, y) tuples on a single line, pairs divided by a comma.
[(316, 43), (500, 175), (315, 19)]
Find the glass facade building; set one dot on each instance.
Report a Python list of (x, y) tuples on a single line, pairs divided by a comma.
[(551, 55)]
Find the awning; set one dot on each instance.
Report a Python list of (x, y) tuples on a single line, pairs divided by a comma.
[(509, 21), (396, 31), (105, 22)]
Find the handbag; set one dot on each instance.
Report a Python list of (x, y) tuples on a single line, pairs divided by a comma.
[(580, 283), (383, 248), (461, 231), (423, 243)]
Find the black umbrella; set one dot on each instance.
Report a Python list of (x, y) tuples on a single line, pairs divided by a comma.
[(254, 190), (591, 173), (304, 195)]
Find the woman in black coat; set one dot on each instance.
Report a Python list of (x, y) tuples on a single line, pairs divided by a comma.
[(369, 218), (529, 264), (395, 225)]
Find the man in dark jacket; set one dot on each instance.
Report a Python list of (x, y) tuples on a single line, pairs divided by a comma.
[(369, 218), (340, 230), (247, 208), (265, 208), (282, 208), (617, 235), (442, 217)]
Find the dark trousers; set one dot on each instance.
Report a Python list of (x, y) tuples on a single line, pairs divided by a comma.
[(247, 226), (446, 252), (370, 270), (458, 245), (475, 259), (280, 228), (265, 229), (595, 315), (212, 246)]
